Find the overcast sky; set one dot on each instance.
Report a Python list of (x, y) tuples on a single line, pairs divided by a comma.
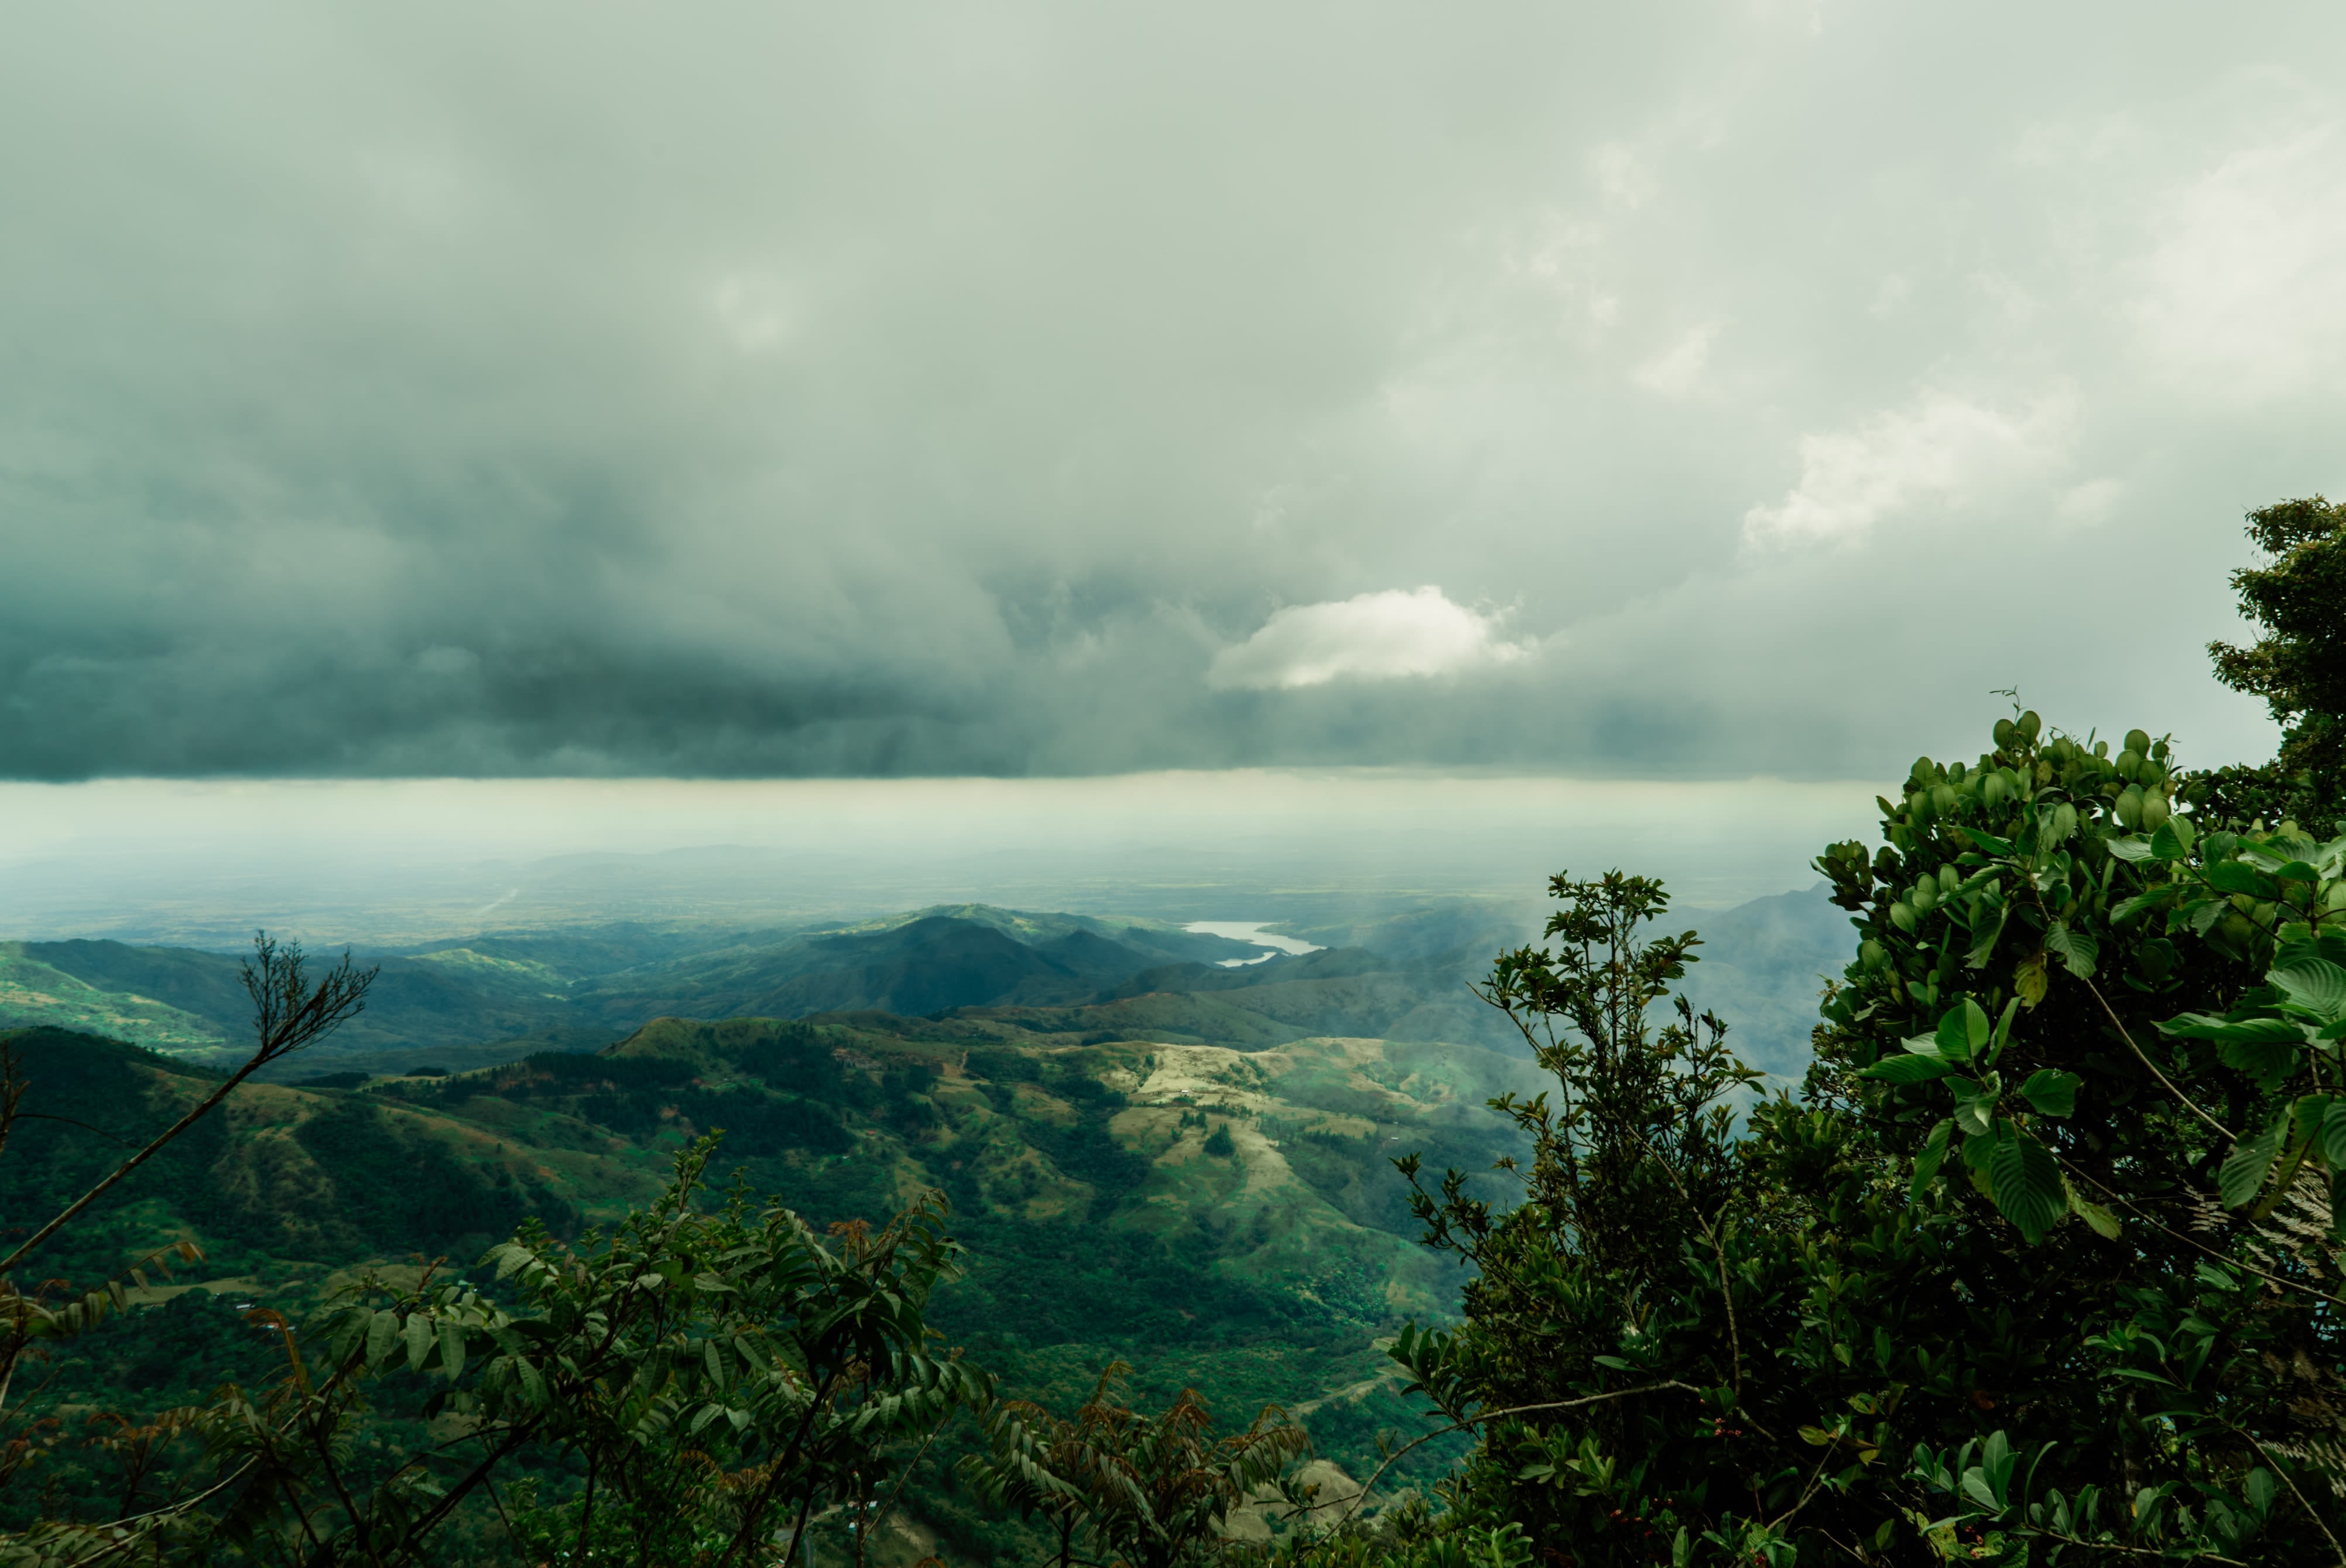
[(1651, 391)]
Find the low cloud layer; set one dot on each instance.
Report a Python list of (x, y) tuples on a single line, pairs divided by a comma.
[(1051, 390)]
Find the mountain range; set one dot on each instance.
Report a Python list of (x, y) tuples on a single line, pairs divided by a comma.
[(1163, 1146), (499, 995)]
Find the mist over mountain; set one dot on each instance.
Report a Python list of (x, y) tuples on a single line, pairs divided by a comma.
[(1402, 975)]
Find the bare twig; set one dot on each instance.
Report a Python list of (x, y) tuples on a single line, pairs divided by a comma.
[(2165, 1082), (285, 1019), (1725, 1290), (85, 1126), (911, 1464), (1480, 1417), (2224, 1257), (2125, 1551), (1815, 1476), (2319, 1523)]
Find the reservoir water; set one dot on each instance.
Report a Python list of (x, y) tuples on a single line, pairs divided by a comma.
[(1252, 932)]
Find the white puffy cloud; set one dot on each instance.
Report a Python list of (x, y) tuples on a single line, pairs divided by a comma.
[(1941, 449), (1384, 636)]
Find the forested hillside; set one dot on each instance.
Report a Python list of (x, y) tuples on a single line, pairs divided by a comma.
[(1221, 1220)]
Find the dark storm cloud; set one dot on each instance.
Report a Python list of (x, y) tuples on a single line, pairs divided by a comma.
[(1703, 390)]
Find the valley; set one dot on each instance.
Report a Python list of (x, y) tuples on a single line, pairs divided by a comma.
[(1153, 1155)]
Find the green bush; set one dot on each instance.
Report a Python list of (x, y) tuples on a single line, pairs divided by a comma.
[(2042, 1266)]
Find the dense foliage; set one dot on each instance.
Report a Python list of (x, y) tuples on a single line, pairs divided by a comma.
[(1150, 1492), (719, 1376), (2041, 1266), (2298, 667)]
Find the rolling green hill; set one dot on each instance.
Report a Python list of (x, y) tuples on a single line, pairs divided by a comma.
[(280, 1183), (1153, 1154), (34, 990), (1221, 1219)]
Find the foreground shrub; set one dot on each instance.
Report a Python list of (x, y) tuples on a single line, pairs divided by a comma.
[(2041, 1266)]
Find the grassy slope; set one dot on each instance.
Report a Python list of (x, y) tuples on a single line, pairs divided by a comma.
[(1072, 1138), (282, 1185), (1099, 1226), (34, 992)]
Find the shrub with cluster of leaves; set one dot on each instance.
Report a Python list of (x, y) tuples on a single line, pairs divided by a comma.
[(2042, 1264), (2298, 667), (1150, 1491)]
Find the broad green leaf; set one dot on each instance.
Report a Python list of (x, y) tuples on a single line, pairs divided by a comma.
[(2305, 1119), (2155, 899), (2243, 1170), (452, 1349), (1963, 1030), (2052, 1092), (2173, 839), (2293, 1152), (2314, 983), (2003, 1036), (1984, 932), (2334, 1134), (2030, 980), (2102, 1222), (2297, 940), (2269, 1061), (2130, 847), (1908, 1070), (2076, 948), (383, 1334), (1988, 841), (2025, 1181), (418, 1341), (1998, 1461), (2232, 877), (1975, 1107), (2235, 1031), (1934, 1154)]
